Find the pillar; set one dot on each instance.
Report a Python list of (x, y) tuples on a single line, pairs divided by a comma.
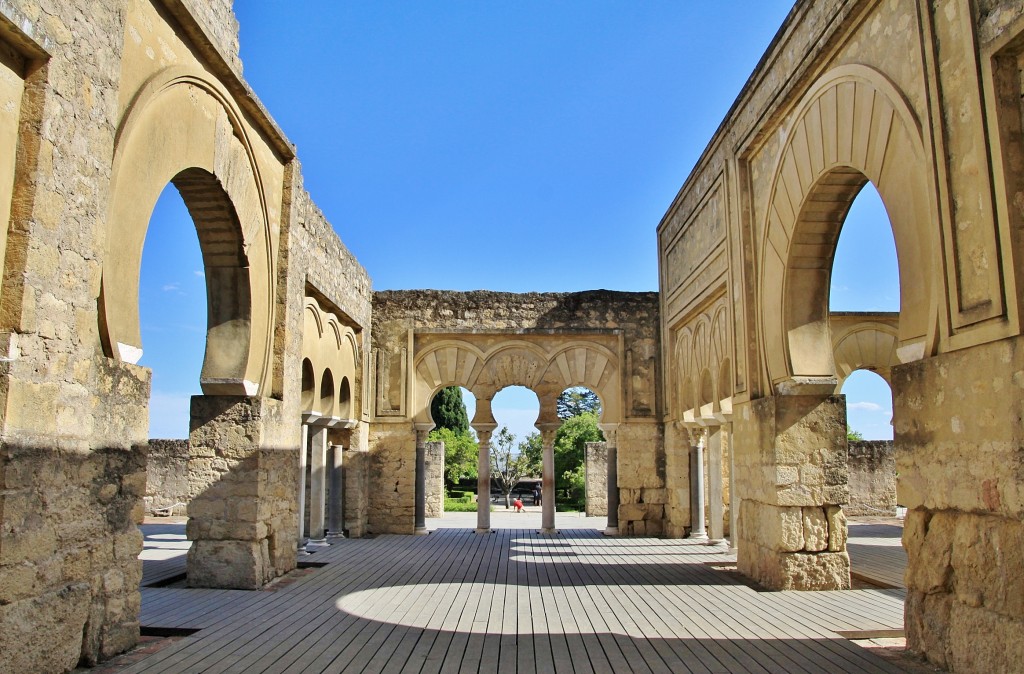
[(609, 430), (335, 519), (697, 530), (483, 481), (241, 524), (716, 495), (318, 486), (547, 432), (421, 477), (791, 474), (303, 450)]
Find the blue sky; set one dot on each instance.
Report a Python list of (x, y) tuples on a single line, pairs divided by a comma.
[(465, 145)]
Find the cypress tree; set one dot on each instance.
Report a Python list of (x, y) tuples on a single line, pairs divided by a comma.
[(448, 411)]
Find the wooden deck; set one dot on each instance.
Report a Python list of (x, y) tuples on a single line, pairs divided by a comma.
[(876, 552), (512, 601)]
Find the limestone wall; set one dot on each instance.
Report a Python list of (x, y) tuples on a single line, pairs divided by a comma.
[(167, 476), (960, 477), (872, 478)]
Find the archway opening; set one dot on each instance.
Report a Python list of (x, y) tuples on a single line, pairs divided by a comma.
[(581, 468), (327, 395), (172, 329), (864, 306), (516, 453), (451, 482)]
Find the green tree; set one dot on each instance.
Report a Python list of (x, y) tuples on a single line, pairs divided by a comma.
[(460, 454), (576, 401), (448, 410), (507, 467), (853, 436), (570, 454), (532, 451)]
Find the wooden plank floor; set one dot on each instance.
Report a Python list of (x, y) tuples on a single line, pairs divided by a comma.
[(514, 600), (876, 552)]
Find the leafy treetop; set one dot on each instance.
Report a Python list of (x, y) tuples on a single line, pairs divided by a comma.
[(576, 401)]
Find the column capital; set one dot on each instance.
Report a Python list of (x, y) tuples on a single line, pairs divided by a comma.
[(609, 431), (548, 431)]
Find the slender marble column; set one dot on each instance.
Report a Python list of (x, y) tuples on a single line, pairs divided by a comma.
[(421, 480), (697, 530), (318, 486), (336, 512), (547, 502), (301, 541), (483, 482), (716, 494)]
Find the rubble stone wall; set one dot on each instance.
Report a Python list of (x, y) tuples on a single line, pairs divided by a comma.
[(872, 478), (167, 476)]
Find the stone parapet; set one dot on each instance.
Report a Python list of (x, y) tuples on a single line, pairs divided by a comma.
[(872, 478)]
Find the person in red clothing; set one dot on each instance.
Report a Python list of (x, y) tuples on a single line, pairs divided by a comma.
[(518, 503)]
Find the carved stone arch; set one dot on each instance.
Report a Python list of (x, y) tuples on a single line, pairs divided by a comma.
[(451, 362), (185, 129), (587, 365), (701, 349), (852, 126), (682, 360), (865, 346), (514, 363)]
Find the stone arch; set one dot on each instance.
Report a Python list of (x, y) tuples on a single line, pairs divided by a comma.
[(184, 129), (328, 397), (866, 345), (681, 365), (852, 126), (309, 398)]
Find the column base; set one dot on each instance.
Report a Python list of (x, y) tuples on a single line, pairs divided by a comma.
[(316, 543), (548, 532), (611, 531), (700, 536), (332, 535), (421, 531), (483, 531), (717, 542)]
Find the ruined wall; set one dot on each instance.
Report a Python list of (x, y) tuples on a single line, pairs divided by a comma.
[(935, 126), (167, 476), (96, 98), (872, 478), (611, 336)]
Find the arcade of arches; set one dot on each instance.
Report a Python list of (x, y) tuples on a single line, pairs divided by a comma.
[(316, 389)]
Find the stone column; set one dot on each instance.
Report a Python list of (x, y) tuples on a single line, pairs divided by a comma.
[(318, 486), (791, 475), (595, 469), (716, 496), (421, 477), (303, 450), (483, 481), (697, 530), (547, 432), (483, 423), (335, 520), (609, 431)]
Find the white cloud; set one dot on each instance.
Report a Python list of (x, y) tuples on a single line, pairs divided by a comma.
[(865, 406), (199, 272), (170, 287)]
